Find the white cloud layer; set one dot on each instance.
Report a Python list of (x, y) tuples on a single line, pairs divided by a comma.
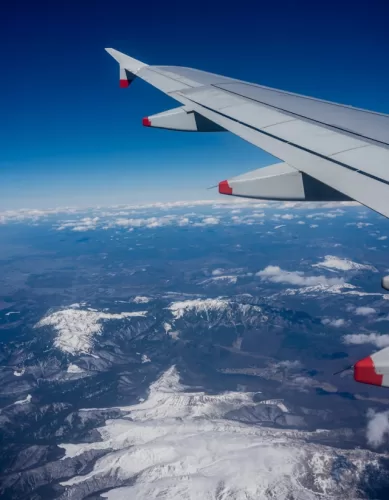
[(364, 311), (277, 275), (336, 323), (376, 339), (86, 219), (377, 428)]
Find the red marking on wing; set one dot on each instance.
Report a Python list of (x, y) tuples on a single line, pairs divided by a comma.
[(146, 122), (224, 188), (364, 371), (124, 84)]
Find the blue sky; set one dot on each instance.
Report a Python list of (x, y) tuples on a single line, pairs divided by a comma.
[(70, 136)]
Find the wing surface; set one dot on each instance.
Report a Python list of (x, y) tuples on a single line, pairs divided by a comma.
[(343, 148)]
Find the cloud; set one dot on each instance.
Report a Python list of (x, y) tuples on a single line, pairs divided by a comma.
[(277, 275), (333, 262), (382, 238), (149, 222), (280, 226), (288, 216), (209, 221), (84, 224), (376, 339), (359, 225), (33, 215), (328, 215), (337, 323), (314, 226), (364, 311), (301, 222), (377, 428), (235, 204)]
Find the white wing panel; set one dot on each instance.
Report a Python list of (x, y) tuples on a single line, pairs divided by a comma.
[(214, 98), (319, 139), (357, 121), (371, 159), (256, 116), (161, 82)]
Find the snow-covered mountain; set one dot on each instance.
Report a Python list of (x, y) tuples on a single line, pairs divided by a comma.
[(76, 326), (179, 444), (336, 263)]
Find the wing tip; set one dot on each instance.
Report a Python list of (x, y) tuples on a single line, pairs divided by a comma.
[(126, 61), (224, 188), (365, 372)]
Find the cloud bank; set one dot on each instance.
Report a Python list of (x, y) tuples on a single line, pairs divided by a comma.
[(377, 428), (275, 274), (376, 339)]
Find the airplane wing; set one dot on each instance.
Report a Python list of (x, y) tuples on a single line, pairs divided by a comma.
[(328, 151)]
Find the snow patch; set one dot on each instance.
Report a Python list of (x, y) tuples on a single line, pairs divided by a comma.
[(141, 300), (76, 327), (178, 309), (74, 369), (220, 279), (333, 262), (145, 359), (345, 289), (24, 401), (19, 373), (168, 330)]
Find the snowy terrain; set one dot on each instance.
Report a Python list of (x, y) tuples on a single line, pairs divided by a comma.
[(180, 445), (76, 327), (333, 262), (98, 303)]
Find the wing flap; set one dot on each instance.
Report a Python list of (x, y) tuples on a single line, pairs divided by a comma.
[(279, 182)]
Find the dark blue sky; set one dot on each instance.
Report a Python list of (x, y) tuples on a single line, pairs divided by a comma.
[(70, 136)]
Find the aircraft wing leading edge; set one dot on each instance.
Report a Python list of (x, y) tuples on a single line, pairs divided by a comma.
[(328, 151)]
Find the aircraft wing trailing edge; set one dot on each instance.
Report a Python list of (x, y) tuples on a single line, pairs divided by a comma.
[(327, 151)]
